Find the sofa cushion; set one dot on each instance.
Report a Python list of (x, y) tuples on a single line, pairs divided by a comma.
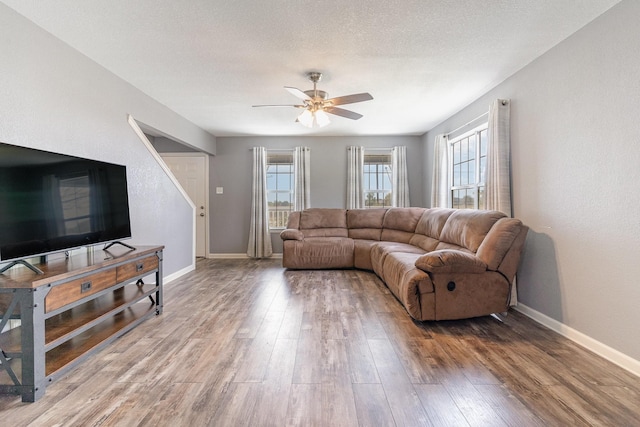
[(450, 261), (406, 281), (365, 223), (424, 242), (325, 232), (498, 241), (323, 218), (381, 250), (432, 222), (402, 219), (318, 253), (467, 228), (365, 218), (362, 253), (293, 222), (400, 223), (291, 234)]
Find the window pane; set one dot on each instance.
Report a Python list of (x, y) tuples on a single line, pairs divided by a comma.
[(284, 181), (464, 150), (271, 181), (482, 203), (386, 182), (456, 153), (464, 173), (470, 199), (455, 199)]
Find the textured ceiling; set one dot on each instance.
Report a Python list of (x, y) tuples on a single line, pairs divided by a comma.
[(211, 60)]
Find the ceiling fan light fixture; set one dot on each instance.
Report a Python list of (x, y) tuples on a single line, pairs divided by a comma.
[(322, 118), (306, 118)]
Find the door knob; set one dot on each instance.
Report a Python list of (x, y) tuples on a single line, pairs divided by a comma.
[(201, 213)]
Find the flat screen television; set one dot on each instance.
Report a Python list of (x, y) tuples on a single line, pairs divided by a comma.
[(53, 202)]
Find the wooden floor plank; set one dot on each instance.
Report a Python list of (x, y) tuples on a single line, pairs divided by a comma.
[(405, 405), (372, 406), (245, 342), (440, 406)]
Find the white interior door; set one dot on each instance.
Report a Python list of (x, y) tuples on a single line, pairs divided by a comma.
[(191, 171)]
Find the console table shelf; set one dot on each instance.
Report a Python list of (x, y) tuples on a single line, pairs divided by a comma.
[(71, 311)]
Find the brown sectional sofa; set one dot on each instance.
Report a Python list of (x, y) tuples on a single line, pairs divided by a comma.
[(439, 263)]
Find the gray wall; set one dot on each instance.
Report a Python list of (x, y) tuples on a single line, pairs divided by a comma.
[(231, 169), (575, 117), (56, 99)]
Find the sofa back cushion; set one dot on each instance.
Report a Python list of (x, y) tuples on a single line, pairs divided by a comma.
[(324, 222), (432, 222), (499, 241), (467, 228), (293, 222), (399, 224), (365, 224)]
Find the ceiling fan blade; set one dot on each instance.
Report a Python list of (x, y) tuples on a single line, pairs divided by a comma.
[(343, 113), (279, 105), (350, 99), (298, 93)]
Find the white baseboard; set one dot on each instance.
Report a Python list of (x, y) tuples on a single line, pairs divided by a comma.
[(173, 276), (626, 362), (237, 256)]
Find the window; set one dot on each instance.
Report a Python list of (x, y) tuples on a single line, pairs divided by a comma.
[(377, 180), (280, 187), (469, 161)]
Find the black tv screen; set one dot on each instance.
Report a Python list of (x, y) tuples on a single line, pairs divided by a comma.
[(53, 202)]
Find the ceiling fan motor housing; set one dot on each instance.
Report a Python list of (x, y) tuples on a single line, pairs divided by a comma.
[(317, 94)]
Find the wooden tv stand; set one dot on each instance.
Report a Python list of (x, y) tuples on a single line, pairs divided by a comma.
[(78, 306)]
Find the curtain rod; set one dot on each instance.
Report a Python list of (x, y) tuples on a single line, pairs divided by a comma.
[(466, 124)]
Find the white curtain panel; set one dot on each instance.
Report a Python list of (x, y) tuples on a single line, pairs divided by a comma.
[(259, 237), (440, 179), (498, 173), (400, 184), (355, 169), (302, 177)]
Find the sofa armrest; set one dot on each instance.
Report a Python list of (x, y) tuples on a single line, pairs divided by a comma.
[(450, 261), (291, 234)]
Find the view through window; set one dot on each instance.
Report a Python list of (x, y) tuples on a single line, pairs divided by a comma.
[(469, 161), (377, 180), (280, 186)]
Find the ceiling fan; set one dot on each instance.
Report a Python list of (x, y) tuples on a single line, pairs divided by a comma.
[(317, 104)]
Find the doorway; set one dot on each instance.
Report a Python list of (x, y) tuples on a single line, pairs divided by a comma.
[(192, 172)]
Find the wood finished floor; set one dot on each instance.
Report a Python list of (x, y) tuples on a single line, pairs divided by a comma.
[(247, 343)]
